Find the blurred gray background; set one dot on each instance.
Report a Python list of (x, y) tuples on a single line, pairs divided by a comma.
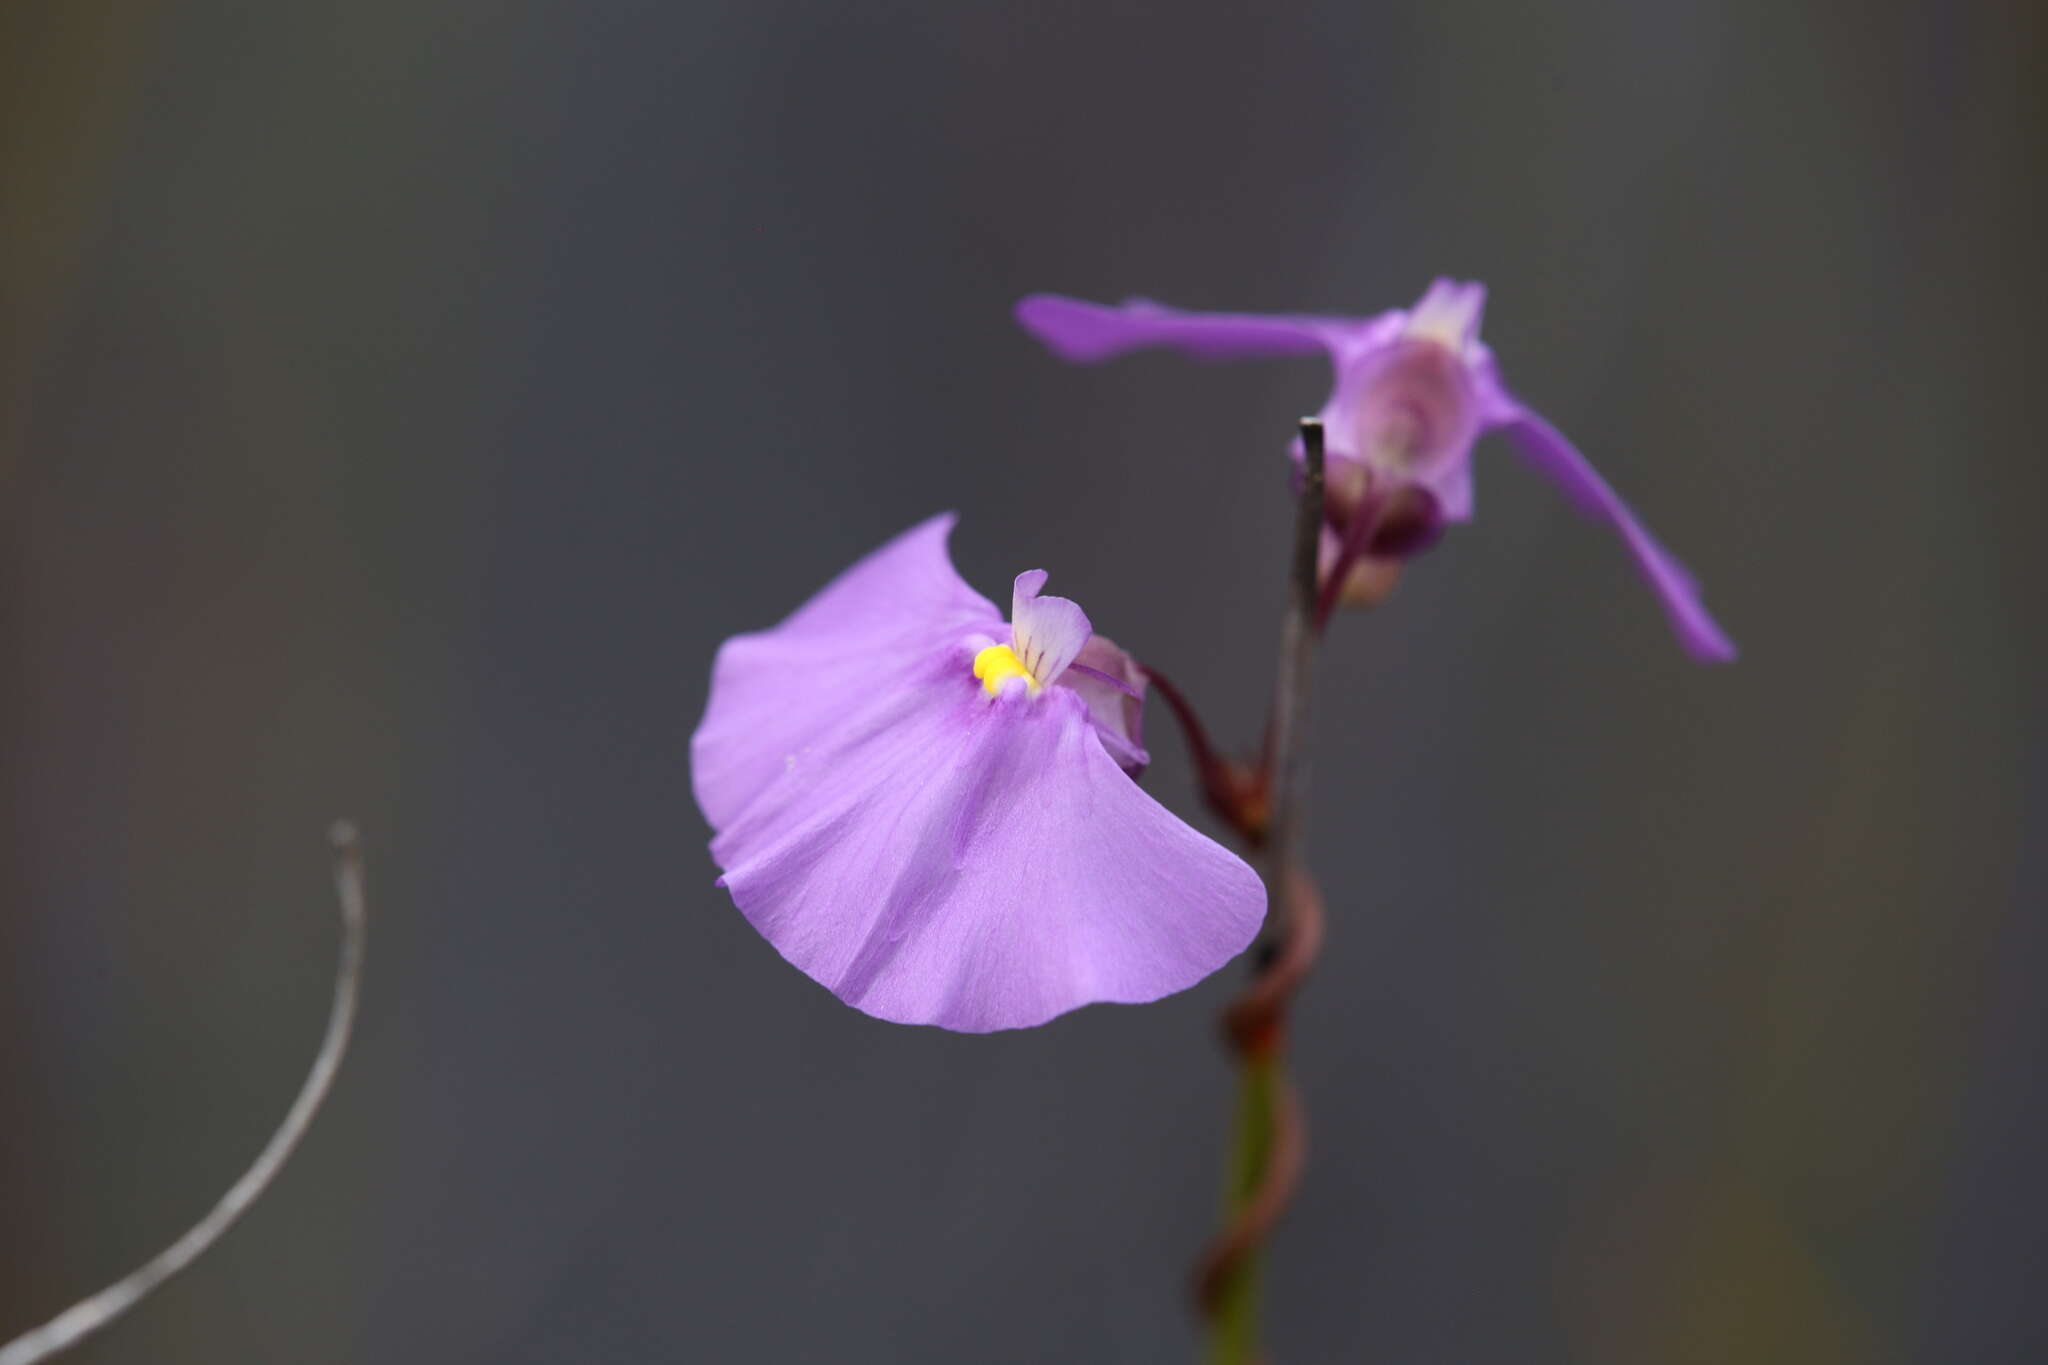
[(400, 400)]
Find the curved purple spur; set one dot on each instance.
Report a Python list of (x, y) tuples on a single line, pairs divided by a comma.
[(1414, 389), (933, 815)]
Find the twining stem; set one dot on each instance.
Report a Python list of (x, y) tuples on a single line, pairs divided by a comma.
[(89, 1315), (1268, 1144)]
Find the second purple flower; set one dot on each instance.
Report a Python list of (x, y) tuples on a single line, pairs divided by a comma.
[(1414, 389)]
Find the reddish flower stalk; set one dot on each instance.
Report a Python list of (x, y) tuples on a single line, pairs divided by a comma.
[(1351, 550), (1235, 791)]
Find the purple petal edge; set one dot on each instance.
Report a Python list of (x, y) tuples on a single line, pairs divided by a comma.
[(1545, 447), (1084, 332), (1114, 684)]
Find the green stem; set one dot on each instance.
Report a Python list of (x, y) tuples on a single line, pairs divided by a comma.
[(1234, 1328)]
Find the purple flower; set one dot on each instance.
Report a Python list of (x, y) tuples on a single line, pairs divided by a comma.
[(1414, 390), (929, 811)]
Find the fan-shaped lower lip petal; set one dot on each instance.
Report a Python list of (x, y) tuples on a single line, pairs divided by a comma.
[(983, 864)]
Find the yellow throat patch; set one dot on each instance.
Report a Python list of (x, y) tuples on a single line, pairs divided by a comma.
[(998, 664)]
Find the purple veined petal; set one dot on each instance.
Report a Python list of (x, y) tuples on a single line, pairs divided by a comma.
[(1115, 684), (774, 693), (981, 862), (1544, 446), (1087, 332), (1047, 631), (1109, 680)]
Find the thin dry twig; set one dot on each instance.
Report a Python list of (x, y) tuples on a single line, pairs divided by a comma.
[(82, 1319)]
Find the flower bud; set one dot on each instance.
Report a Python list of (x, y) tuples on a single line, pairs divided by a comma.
[(1368, 580)]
